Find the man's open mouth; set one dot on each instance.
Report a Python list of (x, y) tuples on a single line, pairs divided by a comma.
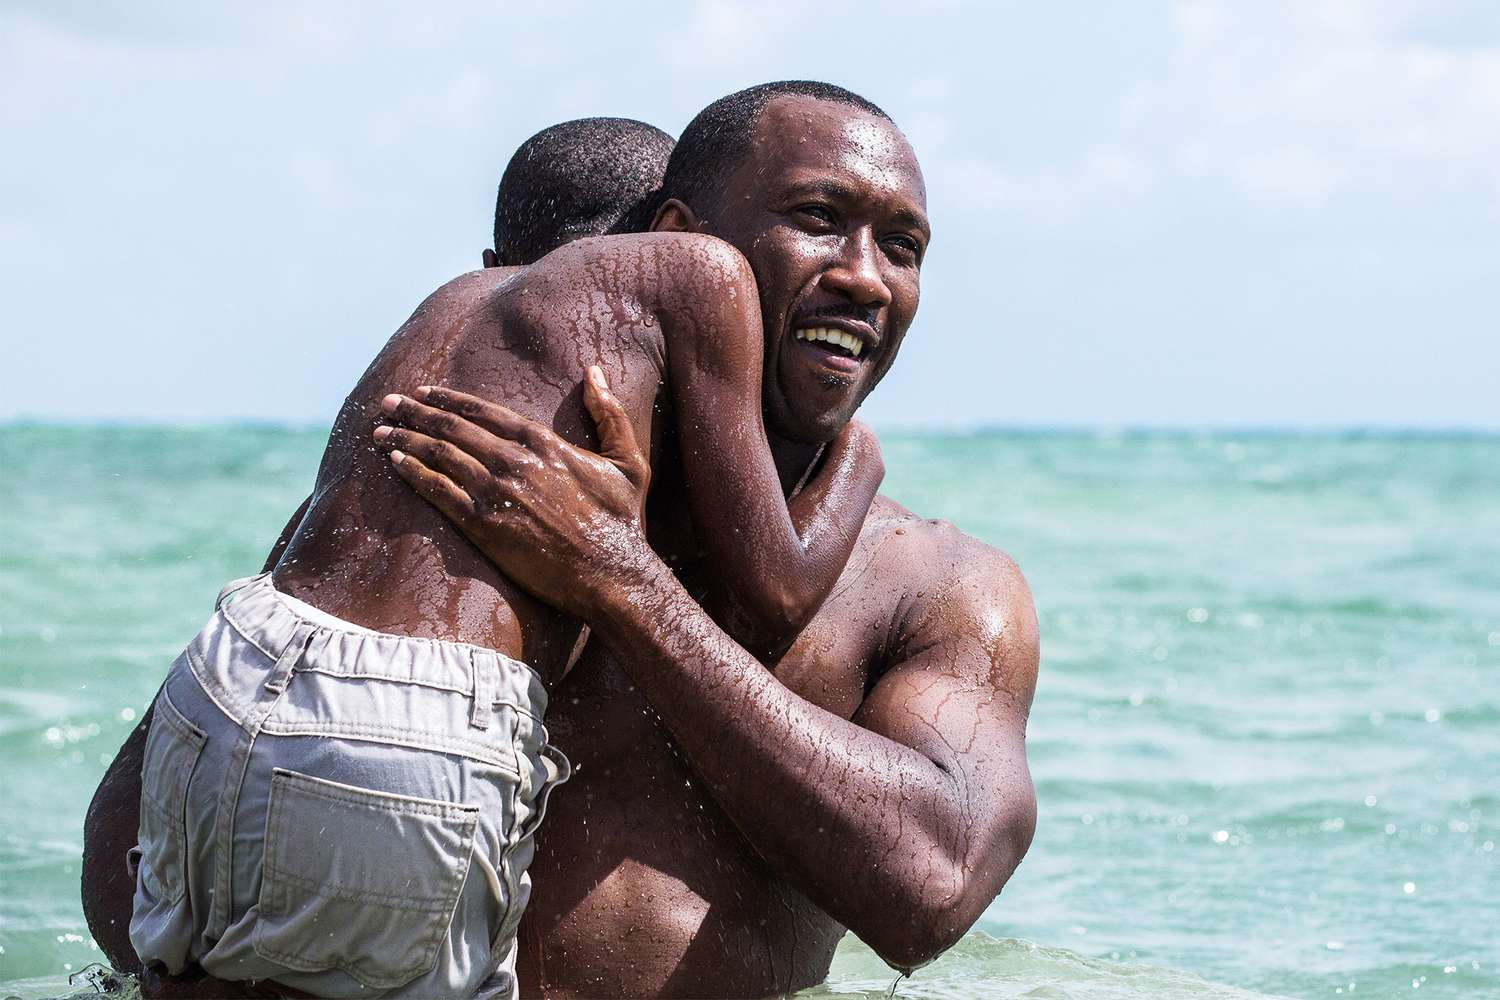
[(834, 341)]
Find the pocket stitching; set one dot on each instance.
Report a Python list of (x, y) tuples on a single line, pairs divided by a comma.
[(333, 791), (193, 739), (428, 944), (439, 742), (182, 723)]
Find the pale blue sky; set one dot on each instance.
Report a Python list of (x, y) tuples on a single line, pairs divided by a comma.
[(1194, 214)]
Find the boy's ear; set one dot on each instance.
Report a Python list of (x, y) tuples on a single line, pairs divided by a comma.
[(674, 217), (490, 260)]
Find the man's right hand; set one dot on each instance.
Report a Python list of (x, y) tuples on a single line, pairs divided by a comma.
[(564, 523)]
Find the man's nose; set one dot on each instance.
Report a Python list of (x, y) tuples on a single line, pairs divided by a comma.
[(856, 273)]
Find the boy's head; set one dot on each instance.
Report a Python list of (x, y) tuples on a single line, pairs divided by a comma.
[(586, 177)]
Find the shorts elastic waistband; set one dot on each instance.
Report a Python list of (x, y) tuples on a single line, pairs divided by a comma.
[(270, 621)]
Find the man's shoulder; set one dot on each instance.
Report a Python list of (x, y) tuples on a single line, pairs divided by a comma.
[(914, 548), (941, 584)]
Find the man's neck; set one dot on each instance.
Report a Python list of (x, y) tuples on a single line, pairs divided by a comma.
[(794, 460), (667, 519)]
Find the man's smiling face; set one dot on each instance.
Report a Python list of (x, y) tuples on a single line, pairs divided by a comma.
[(829, 208)]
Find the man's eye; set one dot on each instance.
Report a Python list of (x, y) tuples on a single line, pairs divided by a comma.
[(905, 245), (821, 213)]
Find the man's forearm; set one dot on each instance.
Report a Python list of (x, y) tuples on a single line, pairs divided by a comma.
[(903, 824), (874, 832)]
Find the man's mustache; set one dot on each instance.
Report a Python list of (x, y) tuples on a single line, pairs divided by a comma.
[(869, 317)]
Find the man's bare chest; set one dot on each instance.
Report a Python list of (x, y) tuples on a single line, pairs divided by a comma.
[(837, 657)]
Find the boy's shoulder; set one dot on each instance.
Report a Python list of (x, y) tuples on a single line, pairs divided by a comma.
[(464, 293), (661, 260)]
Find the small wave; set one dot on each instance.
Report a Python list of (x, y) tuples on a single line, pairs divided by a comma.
[(981, 967), (89, 983)]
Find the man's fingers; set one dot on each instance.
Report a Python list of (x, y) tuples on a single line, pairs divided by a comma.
[(464, 469), (497, 419), (492, 451), (616, 436), (436, 489), (483, 442)]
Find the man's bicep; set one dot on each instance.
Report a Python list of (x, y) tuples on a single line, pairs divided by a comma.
[(962, 695), (975, 620), (958, 719), (975, 737)]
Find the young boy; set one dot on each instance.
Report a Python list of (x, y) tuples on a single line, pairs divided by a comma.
[(346, 767)]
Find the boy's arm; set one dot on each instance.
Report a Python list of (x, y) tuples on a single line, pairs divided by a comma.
[(850, 465), (775, 564)]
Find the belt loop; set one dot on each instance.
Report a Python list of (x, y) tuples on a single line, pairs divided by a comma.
[(483, 667), (231, 587), (291, 655)]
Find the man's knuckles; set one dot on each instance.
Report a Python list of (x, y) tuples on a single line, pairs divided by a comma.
[(434, 421), (435, 452)]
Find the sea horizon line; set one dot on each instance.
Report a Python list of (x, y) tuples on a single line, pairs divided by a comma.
[(884, 427)]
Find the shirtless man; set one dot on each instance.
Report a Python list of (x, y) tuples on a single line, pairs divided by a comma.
[(727, 821)]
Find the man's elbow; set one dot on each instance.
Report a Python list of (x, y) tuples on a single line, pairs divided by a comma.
[(788, 609), (923, 932), (938, 915), (769, 619), (915, 945)]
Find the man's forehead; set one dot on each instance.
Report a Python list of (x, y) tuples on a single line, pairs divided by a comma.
[(801, 138)]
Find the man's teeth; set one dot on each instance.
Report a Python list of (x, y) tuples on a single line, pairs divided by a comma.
[(839, 338)]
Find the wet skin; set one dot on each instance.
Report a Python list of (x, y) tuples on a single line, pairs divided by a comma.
[(651, 313), (654, 312), (725, 822)]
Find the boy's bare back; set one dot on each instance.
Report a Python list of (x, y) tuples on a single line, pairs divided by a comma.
[(371, 552)]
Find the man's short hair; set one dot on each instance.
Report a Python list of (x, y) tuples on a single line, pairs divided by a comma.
[(585, 177), (715, 142)]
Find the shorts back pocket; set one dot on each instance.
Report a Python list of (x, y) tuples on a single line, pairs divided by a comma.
[(359, 880), (173, 745)]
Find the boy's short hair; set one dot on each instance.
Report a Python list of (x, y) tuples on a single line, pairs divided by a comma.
[(586, 177)]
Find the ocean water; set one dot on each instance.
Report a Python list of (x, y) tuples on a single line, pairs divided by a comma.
[(1266, 738)]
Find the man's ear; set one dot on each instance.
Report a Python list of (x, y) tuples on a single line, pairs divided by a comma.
[(674, 217), (490, 260)]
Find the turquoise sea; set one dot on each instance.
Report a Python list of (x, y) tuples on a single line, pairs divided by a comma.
[(1266, 738)]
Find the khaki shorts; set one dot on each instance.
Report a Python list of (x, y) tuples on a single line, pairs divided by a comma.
[(341, 811)]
